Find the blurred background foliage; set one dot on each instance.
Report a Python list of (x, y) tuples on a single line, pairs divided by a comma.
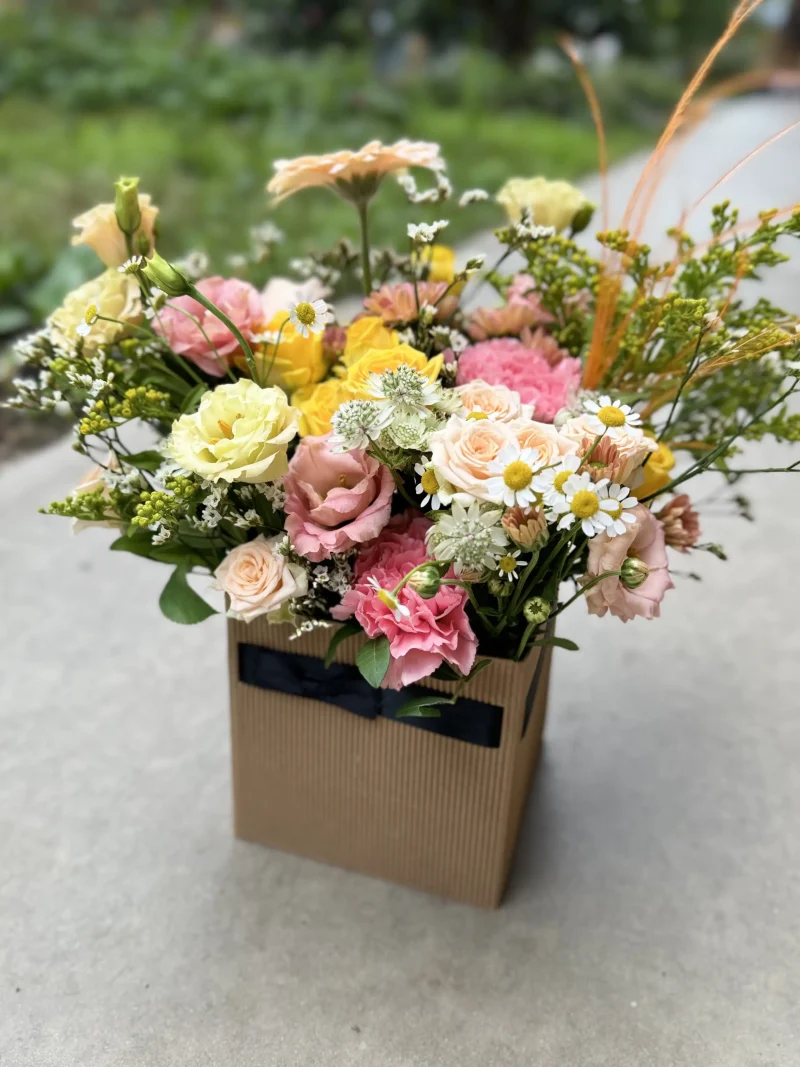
[(199, 99)]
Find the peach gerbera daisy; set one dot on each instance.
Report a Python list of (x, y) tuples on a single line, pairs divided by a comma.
[(355, 175)]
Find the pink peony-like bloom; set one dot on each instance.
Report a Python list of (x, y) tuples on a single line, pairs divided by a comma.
[(397, 304), (644, 541), (334, 501), (434, 631), (239, 300), (505, 361)]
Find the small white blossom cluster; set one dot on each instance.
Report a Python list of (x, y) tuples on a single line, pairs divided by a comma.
[(425, 232), (472, 196), (436, 194), (193, 266)]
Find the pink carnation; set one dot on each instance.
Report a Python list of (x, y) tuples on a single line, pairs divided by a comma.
[(334, 500), (505, 361), (239, 300), (435, 630)]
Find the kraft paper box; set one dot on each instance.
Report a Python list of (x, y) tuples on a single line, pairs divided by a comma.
[(322, 769)]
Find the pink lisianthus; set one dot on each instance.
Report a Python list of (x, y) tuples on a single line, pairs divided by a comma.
[(334, 500), (239, 300), (644, 541), (434, 631), (505, 361)]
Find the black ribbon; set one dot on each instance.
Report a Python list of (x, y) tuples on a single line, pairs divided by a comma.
[(342, 685)]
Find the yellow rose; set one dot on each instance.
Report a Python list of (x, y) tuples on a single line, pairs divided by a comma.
[(656, 471), (317, 404), (381, 359), (366, 334), (440, 261), (556, 204), (100, 231), (113, 295), (239, 433), (299, 360)]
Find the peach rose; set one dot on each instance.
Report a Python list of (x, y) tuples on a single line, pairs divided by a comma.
[(259, 579), (100, 231), (496, 402), (618, 459), (463, 452), (546, 439)]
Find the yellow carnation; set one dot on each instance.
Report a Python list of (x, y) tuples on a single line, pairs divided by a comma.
[(366, 334), (440, 261), (100, 231), (239, 433), (317, 403), (380, 359), (656, 471), (556, 204), (299, 361), (114, 296)]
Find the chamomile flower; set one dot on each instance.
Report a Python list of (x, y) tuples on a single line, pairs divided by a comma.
[(515, 472), (428, 486), (400, 611), (89, 319), (550, 482), (583, 501), (310, 317), (620, 495), (507, 565), (132, 265), (609, 416), (470, 537)]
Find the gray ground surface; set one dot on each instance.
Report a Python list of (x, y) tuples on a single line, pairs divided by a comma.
[(654, 912)]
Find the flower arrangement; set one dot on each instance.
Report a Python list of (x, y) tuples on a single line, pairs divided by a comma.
[(442, 473)]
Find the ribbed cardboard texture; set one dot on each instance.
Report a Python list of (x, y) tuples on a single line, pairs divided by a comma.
[(380, 796)]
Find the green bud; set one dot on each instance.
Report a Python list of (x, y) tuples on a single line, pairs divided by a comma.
[(126, 205), (634, 572), (500, 587), (426, 580), (537, 609), (582, 217), (168, 278), (141, 243)]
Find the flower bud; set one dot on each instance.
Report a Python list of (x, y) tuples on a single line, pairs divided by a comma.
[(426, 580), (634, 572), (500, 587), (537, 609), (141, 243), (126, 205), (582, 218), (168, 278)]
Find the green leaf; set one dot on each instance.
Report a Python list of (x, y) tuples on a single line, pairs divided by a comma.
[(146, 461), (180, 603), (425, 707), (481, 665), (373, 660), (559, 642), (139, 546), (192, 398), (348, 630)]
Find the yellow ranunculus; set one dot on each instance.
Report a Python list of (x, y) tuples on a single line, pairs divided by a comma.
[(380, 359), (556, 204), (113, 295), (299, 360), (440, 261), (365, 334), (656, 471), (239, 433), (317, 403)]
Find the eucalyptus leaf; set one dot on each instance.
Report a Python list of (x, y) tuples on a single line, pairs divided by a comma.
[(180, 603), (348, 630), (373, 660)]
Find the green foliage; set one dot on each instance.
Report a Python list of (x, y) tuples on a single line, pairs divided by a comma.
[(373, 660), (180, 603), (349, 629)]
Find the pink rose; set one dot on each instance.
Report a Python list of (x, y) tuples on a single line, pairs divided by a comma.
[(644, 541), (239, 300), (435, 630), (506, 361), (259, 579), (334, 501)]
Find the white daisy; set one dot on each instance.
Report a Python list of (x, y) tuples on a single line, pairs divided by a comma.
[(515, 471), (89, 319), (507, 565), (310, 317), (400, 611), (428, 486), (132, 265), (583, 501), (550, 482), (620, 494), (609, 416)]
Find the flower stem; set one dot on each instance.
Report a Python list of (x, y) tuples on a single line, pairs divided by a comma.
[(363, 210), (585, 589), (223, 318)]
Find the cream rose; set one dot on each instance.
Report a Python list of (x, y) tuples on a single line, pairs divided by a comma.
[(557, 204), (463, 451), (619, 458), (239, 433), (258, 579), (548, 442), (114, 295), (496, 402), (100, 231)]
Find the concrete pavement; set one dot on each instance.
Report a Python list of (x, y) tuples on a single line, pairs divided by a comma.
[(654, 912)]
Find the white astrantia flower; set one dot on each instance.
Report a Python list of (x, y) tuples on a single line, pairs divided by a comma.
[(356, 423), (620, 495), (400, 611), (411, 431), (472, 196), (402, 391), (514, 473), (470, 537), (607, 416), (310, 316), (583, 501), (549, 483), (507, 565)]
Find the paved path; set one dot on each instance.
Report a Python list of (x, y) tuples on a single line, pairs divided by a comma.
[(654, 913)]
